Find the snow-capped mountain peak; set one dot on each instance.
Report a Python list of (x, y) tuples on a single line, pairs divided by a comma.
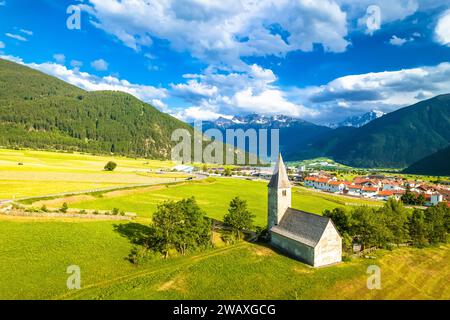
[(359, 121), (257, 120)]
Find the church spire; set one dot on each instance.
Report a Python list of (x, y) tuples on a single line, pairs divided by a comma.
[(279, 178)]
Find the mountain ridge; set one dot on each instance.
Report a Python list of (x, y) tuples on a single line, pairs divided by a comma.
[(437, 164), (40, 111), (359, 120)]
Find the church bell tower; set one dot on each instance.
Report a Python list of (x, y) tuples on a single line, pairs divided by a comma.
[(279, 194)]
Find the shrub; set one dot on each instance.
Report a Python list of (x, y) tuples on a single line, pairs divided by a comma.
[(64, 208), (110, 166)]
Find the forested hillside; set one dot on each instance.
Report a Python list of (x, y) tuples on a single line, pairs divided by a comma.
[(40, 111), (437, 164), (397, 139)]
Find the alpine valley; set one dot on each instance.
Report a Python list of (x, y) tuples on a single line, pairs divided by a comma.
[(40, 111)]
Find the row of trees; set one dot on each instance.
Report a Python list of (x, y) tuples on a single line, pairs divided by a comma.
[(391, 225)]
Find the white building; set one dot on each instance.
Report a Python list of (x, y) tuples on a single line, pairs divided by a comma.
[(433, 199)]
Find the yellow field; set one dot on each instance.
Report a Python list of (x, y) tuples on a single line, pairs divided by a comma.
[(406, 274), (25, 173)]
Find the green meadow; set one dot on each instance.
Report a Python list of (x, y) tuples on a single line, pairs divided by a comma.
[(36, 251), (213, 196)]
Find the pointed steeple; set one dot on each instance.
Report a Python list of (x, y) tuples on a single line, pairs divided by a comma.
[(279, 178)]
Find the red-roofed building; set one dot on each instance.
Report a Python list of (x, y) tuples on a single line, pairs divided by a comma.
[(369, 191), (386, 194), (335, 186)]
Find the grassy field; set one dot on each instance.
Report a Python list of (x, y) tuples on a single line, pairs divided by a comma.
[(213, 195), (43, 173), (36, 253)]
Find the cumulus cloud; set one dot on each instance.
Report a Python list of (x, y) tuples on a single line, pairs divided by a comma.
[(387, 91), (213, 94), (99, 65), (221, 32), (91, 82), (442, 29)]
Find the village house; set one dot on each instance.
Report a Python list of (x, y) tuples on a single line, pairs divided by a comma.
[(386, 194), (369, 192), (335, 186), (392, 185), (354, 190), (305, 236), (433, 199)]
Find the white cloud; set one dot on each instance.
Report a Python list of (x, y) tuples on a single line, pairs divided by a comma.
[(388, 91), (212, 94), (2, 45), (27, 32), (221, 32), (99, 65), (442, 29), (91, 82), (198, 113), (59, 57), (15, 36), (396, 41)]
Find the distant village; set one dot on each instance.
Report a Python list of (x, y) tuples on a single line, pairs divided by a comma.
[(372, 186), (378, 187)]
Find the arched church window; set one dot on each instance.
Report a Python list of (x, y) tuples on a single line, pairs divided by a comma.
[(284, 193)]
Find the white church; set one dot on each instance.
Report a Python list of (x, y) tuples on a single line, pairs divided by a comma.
[(308, 237)]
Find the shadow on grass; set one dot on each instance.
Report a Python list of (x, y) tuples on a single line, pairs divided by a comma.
[(136, 233)]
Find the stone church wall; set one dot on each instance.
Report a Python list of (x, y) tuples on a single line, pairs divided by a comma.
[(293, 248), (329, 248)]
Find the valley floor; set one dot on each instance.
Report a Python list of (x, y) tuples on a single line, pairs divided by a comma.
[(36, 252)]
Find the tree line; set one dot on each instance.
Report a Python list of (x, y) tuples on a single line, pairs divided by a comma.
[(392, 224)]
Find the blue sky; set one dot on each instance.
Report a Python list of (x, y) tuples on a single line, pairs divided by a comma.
[(318, 60)]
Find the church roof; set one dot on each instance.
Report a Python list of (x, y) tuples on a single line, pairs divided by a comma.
[(301, 226), (279, 178)]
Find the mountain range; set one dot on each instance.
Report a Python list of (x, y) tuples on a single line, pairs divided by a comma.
[(40, 111), (358, 121), (375, 139)]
